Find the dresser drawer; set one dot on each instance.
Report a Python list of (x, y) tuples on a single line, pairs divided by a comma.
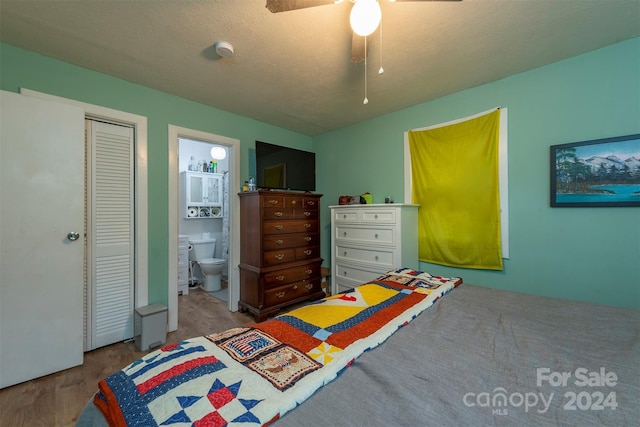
[(289, 275), (305, 213), (272, 201), (278, 257), (292, 240), (283, 294), (277, 213), (311, 203), (380, 257), (382, 216), (365, 215), (293, 202), (359, 275), (356, 234), (345, 215), (308, 252), (290, 226)]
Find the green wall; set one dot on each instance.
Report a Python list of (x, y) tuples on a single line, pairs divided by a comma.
[(21, 68), (590, 254)]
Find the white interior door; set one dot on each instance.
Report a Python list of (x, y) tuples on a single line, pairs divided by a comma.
[(41, 204)]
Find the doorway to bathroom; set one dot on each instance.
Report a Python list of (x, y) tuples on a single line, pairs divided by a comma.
[(203, 208), (203, 220)]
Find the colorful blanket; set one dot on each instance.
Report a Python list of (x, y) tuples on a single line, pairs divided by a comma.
[(253, 376)]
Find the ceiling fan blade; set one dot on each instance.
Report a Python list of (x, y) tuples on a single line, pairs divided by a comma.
[(276, 6), (358, 52)]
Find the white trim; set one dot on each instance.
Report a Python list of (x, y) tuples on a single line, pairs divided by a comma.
[(141, 199), (503, 165), (176, 132)]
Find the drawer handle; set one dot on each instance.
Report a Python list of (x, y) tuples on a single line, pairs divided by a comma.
[(309, 286), (345, 253), (279, 242), (273, 202), (307, 213), (295, 287), (345, 273), (278, 227), (278, 213), (376, 257), (344, 234), (307, 252), (293, 202), (280, 294), (279, 257), (344, 216), (376, 235), (308, 238), (376, 216), (311, 202), (309, 272), (307, 225), (279, 278)]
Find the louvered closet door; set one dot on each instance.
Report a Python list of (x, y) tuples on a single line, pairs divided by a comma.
[(111, 230)]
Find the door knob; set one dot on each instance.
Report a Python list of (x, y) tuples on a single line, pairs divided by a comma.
[(73, 235)]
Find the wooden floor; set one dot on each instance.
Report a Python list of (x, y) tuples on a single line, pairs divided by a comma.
[(57, 399)]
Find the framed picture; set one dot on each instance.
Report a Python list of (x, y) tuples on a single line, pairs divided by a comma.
[(602, 172)]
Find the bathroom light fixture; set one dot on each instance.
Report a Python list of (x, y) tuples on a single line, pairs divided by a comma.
[(365, 17), (218, 153)]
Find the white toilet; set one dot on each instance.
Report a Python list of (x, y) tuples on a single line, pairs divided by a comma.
[(202, 252)]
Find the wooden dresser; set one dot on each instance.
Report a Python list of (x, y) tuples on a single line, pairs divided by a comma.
[(279, 250), (369, 240)]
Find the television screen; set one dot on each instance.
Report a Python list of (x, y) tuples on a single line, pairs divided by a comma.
[(284, 168)]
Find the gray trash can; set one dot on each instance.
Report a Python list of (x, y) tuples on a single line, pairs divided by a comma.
[(150, 326)]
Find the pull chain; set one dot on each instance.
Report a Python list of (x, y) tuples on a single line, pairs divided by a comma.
[(366, 100), (381, 70)]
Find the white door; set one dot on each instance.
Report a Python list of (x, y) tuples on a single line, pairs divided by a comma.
[(41, 206), (111, 229)]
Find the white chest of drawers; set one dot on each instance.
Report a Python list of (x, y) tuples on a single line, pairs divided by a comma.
[(369, 240)]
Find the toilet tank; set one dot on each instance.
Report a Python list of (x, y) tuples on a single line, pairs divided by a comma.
[(202, 248)]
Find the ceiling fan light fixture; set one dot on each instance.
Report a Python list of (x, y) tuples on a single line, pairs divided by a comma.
[(365, 17)]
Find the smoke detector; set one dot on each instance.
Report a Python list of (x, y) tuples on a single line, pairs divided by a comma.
[(224, 49)]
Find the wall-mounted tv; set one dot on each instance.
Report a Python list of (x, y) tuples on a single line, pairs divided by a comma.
[(283, 168)]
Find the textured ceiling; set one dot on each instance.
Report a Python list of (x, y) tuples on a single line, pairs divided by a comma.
[(293, 69)]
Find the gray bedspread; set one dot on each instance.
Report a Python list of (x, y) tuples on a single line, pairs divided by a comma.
[(487, 357)]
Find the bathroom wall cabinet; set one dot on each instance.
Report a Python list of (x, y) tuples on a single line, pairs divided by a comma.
[(202, 194), (279, 250)]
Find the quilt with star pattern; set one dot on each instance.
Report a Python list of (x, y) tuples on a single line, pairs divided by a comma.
[(253, 376)]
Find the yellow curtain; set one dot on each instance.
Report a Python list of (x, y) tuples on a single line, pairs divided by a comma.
[(455, 181)]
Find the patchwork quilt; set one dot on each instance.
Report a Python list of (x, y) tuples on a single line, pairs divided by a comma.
[(253, 376)]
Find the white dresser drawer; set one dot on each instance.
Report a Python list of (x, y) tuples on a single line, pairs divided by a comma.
[(356, 234), (342, 285), (345, 215), (380, 216), (383, 258), (360, 275), (365, 215)]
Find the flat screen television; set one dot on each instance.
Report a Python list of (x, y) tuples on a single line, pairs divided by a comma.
[(283, 168)]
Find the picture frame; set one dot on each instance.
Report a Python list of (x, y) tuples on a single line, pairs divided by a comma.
[(597, 173)]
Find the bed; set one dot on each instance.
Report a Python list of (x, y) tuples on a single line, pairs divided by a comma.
[(463, 355)]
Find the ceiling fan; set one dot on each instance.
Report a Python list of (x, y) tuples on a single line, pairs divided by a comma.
[(365, 18)]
